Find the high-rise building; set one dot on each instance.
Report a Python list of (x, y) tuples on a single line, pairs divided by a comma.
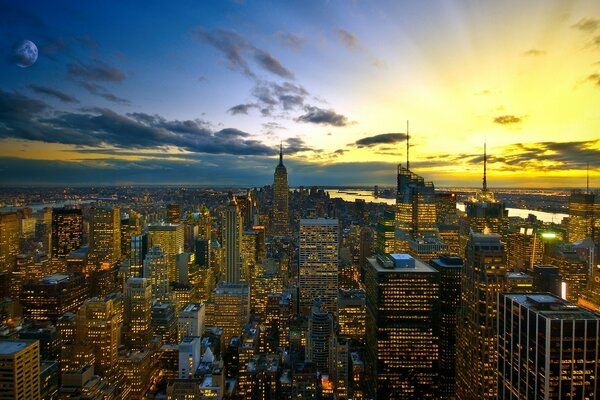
[(351, 314), (191, 321), (573, 269), (164, 321), (189, 356), (547, 348), (319, 338), (318, 268), (280, 225), (9, 240), (525, 249), (52, 296), (445, 208), (170, 239), (485, 214), (450, 268), (402, 328), (67, 231), (156, 270), (138, 311), (98, 324), (231, 308), (261, 288), (547, 279), (174, 214), (415, 209), (386, 231), (581, 215), (484, 276), (139, 248), (204, 223), (20, 370), (232, 242), (365, 248), (105, 234), (340, 364), (136, 369), (249, 254)]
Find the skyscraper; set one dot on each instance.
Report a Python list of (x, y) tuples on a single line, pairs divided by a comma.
[(484, 276), (105, 234), (319, 340), (20, 370), (581, 215), (156, 271), (402, 328), (232, 242), (547, 348), (173, 214), (450, 268), (280, 223), (485, 214), (9, 241), (318, 267), (231, 308), (98, 324), (67, 231), (139, 248), (138, 305), (170, 239)]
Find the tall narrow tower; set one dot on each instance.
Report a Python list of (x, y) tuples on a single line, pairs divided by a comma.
[(232, 241), (280, 223)]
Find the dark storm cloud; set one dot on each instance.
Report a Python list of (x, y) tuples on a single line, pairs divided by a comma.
[(96, 71), (384, 138), (507, 119), (594, 78), (348, 39), (26, 118), (320, 116), (291, 40), (534, 52), (102, 92), (238, 52), (587, 24), (65, 98)]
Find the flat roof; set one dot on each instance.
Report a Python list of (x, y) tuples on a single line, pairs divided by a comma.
[(8, 347), (551, 306), (395, 267), (319, 221)]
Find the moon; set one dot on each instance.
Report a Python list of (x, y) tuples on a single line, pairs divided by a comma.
[(25, 54)]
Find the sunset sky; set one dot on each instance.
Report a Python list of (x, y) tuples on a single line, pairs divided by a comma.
[(203, 92)]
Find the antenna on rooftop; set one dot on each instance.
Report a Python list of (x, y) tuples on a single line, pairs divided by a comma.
[(485, 165), (407, 147)]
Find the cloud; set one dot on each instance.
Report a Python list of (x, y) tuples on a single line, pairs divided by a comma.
[(534, 53), (320, 116), (30, 119), (507, 119), (587, 24), (296, 145), (595, 78), (241, 109), (348, 39), (65, 98), (97, 71), (291, 40), (238, 51), (102, 92), (384, 138)]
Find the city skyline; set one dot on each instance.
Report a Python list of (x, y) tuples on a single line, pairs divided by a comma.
[(204, 93)]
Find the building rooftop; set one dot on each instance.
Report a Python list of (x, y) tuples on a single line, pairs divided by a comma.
[(551, 306), (8, 347), (55, 279), (319, 221), (400, 263)]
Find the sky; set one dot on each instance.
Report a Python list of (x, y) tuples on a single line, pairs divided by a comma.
[(204, 92)]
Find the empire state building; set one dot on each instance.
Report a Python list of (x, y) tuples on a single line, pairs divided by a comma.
[(280, 221)]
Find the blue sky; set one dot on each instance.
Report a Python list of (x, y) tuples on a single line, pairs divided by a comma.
[(195, 92)]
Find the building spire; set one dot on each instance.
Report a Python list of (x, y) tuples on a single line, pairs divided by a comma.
[(407, 147), (485, 166), (588, 178), (280, 153)]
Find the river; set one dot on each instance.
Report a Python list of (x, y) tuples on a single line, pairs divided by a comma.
[(367, 195)]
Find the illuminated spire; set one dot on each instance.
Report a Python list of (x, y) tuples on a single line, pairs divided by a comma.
[(280, 153), (485, 166), (407, 147), (588, 178)]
